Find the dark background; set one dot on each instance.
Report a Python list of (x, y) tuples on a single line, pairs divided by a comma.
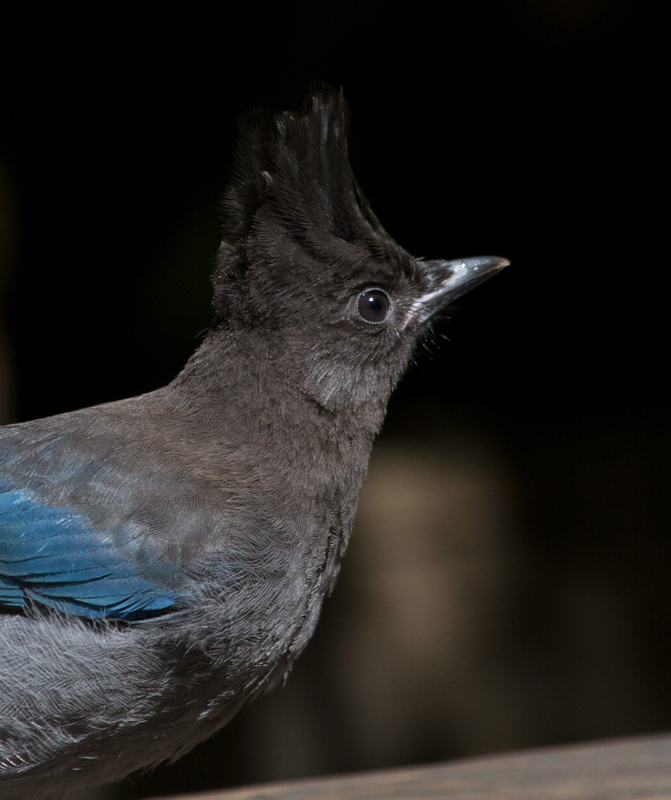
[(521, 598)]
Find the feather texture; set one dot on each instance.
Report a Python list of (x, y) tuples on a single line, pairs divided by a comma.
[(52, 557)]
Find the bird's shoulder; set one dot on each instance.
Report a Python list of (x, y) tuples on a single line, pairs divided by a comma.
[(110, 510)]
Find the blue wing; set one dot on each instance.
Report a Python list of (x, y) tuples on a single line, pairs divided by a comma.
[(52, 557)]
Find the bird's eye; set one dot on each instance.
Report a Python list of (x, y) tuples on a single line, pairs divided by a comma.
[(374, 305)]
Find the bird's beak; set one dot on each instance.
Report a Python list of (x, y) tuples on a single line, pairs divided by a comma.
[(450, 279)]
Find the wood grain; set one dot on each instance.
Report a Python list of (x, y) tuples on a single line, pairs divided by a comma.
[(630, 769)]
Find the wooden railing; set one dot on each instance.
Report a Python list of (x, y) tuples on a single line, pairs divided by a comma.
[(628, 769)]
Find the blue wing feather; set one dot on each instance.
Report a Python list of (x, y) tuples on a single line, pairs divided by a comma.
[(50, 556)]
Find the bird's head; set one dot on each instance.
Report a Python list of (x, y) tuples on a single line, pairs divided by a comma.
[(306, 266)]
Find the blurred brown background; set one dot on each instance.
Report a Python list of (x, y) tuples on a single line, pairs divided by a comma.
[(507, 584)]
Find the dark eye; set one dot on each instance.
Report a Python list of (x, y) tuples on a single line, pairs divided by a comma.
[(374, 305)]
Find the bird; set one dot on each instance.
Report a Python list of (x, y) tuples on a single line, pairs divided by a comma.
[(164, 558)]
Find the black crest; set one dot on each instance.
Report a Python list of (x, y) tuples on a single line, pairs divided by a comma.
[(293, 167), (293, 208)]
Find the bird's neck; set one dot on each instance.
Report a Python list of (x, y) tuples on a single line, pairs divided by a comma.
[(262, 383), (307, 461)]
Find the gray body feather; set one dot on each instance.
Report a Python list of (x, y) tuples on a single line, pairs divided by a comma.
[(256, 532)]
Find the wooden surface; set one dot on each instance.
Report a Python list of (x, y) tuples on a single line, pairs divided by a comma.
[(628, 769)]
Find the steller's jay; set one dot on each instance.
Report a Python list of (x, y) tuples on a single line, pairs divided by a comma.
[(163, 559)]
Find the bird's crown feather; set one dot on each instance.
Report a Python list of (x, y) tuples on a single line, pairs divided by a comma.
[(294, 167)]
